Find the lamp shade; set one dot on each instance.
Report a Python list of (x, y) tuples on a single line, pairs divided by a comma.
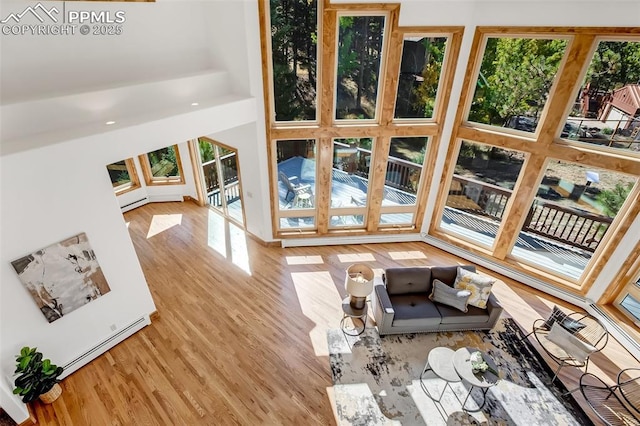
[(359, 280)]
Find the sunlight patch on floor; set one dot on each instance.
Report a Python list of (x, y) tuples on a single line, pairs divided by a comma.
[(229, 240), (406, 255), (216, 234), (321, 302), (162, 222), (304, 260), (239, 251), (356, 257)]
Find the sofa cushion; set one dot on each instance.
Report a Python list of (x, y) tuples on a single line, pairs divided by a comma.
[(479, 285), (473, 315), (414, 310), (448, 274), (449, 296), (408, 280)]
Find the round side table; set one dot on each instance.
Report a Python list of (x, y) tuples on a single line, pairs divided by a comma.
[(353, 313), (440, 361), (462, 364)]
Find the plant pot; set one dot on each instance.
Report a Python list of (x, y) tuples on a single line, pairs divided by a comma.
[(52, 394)]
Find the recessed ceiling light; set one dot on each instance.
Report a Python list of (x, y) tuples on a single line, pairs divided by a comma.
[(109, 123), (195, 104)]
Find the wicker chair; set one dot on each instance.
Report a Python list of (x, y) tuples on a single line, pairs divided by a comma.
[(605, 402), (586, 328)]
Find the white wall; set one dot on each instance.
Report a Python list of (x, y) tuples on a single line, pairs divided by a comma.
[(158, 41), (52, 193), (253, 187), (158, 193)]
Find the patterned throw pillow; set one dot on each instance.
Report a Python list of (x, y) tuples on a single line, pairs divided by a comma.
[(478, 285), (449, 296)]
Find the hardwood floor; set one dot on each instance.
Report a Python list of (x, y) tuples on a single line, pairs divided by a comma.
[(237, 347)]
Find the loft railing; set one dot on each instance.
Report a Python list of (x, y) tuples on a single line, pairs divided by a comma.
[(568, 225)]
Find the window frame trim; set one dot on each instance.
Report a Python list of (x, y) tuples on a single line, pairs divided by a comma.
[(151, 180)]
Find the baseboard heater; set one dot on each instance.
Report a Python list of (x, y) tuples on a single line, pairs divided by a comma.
[(134, 204), (105, 345)]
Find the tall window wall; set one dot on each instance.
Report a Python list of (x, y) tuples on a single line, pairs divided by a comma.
[(542, 170), (355, 110)]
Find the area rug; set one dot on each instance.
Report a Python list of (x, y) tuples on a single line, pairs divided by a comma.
[(377, 381)]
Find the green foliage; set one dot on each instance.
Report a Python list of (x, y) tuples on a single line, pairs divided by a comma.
[(515, 78), (614, 65), (417, 99), (123, 177), (206, 150), (37, 375), (607, 131), (294, 42), (613, 199)]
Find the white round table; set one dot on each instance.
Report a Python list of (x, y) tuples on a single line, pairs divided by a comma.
[(440, 361), (462, 365)]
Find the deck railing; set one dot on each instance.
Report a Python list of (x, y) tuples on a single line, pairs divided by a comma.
[(401, 174), (568, 225), (572, 226), (230, 176)]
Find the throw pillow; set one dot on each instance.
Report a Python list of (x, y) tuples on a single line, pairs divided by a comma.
[(449, 296), (573, 346), (560, 317), (478, 285)]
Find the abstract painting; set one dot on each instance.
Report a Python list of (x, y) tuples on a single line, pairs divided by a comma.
[(62, 277)]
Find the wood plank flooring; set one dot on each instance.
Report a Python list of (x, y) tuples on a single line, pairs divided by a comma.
[(237, 347)]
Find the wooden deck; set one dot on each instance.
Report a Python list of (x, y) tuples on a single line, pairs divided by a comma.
[(236, 345)]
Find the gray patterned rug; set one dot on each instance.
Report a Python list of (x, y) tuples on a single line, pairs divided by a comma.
[(376, 381)]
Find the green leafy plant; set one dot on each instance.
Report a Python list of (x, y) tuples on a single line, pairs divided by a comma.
[(37, 375)]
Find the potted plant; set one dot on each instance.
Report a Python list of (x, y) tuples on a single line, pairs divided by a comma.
[(37, 377)]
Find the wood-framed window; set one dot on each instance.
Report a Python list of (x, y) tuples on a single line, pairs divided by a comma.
[(355, 109), (628, 302), (162, 166), (520, 187), (124, 176)]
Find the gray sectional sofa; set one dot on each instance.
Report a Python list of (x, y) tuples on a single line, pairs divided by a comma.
[(401, 303)]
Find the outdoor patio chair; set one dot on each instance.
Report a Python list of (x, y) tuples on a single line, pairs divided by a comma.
[(293, 187), (605, 402), (570, 339)]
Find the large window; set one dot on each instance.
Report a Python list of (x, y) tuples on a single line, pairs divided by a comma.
[(571, 214), (296, 170), (420, 71), (514, 81), (343, 158), (481, 186), (162, 167), (294, 45), (123, 176), (359, 53), (606, 112), (523, 188)]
